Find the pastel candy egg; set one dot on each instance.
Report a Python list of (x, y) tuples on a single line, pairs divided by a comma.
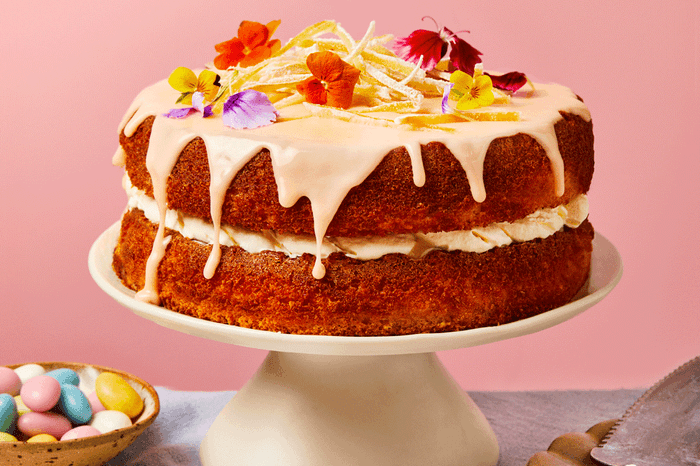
[(42, 438), (116, 394), (8, 413), (28, 371), (95, 403), (41, 393), (5, 437), (10, 382), (21, 407), (65, 376), (74, 404), (80, 432), (107, 421), (54, 424)]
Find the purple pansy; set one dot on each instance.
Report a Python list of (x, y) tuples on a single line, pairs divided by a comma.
[(446, 97), (197, 106), (248, 109)]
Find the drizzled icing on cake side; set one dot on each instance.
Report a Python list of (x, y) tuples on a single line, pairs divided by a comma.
[(322, 155)]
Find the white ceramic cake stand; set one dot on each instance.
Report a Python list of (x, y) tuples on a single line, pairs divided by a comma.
[(332, 401)]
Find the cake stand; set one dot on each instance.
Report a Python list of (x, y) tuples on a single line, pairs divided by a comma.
[(326, 401)]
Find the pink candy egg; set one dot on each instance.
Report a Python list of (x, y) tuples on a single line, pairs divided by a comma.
[(10, 382), (32, 424), (41, 393), (80, 432), (95, 403)]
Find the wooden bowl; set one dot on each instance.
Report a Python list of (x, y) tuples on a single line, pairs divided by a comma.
[(87, 451)]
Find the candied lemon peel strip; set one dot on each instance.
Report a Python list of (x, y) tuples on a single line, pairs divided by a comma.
[(388, 85)]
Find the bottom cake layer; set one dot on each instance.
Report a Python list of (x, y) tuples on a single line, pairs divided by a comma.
[(392, 295)]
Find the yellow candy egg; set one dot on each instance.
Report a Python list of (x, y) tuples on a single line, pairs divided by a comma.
[(5, 437), (40, 438), (116, 394), (21, 407)]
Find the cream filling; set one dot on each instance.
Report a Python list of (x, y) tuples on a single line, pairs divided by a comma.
[(539, 224)]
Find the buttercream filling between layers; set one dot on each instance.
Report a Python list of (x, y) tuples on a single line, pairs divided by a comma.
[(540, 224)]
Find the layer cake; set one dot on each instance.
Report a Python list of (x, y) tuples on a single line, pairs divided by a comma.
[(411, 206)]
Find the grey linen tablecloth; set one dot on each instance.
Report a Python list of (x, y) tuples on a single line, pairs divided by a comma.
[(524, 422)]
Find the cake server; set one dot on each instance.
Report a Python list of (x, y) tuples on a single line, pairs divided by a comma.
[(662, 428)]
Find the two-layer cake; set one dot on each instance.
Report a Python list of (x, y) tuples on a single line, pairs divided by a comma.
[(331, 187)]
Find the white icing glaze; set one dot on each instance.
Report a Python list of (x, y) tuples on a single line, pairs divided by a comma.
[(323, 158)]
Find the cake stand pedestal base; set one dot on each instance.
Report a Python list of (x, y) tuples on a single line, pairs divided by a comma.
[(316, 410), (322, 400)]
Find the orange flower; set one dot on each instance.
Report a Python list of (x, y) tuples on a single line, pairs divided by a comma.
[(252, 45), (333, 80)]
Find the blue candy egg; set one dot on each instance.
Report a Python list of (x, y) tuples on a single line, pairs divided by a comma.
[(74, 404), (65, 376), (8, 413)]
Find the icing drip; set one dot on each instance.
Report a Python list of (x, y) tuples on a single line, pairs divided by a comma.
[(224, 164), (324, 174), (414, 151), (167, 141), (547, 138), (323, 158), (119, 158), (471, 155)]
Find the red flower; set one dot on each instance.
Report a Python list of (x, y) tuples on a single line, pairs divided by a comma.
[(433, 46), (252, 45), (510, 81)]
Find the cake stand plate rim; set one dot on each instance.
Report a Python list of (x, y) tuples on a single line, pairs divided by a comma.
[(606, 272)]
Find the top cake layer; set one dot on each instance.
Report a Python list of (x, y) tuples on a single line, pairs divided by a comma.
[(399, 159)]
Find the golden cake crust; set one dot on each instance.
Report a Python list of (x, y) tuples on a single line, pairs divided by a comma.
[(518, 180), (393, 295)]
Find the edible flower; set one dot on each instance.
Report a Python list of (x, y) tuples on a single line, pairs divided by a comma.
[(250, 47), (509, 82), (197, 99), (470, 91), (333, 81), (185, 81), (433, 46), (248, 109)]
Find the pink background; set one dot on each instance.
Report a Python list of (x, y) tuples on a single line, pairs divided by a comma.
[(70, 70)]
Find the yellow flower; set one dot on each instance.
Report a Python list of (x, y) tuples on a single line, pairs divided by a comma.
[(184, 80), (472, 92)]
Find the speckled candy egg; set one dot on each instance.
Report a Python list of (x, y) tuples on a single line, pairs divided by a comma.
[(54, 424), (10, 382), (107, 421), (8, 413), (21, 407), (74, 404), (95, 403), (29, 371), (42, 438), (80, 432), (115, 393), (65, 376), (5, 437), (41, 393)]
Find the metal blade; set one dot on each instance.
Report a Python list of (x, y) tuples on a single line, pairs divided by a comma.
[(662, 428)]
